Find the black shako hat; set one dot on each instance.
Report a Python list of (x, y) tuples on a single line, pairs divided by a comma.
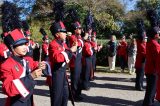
[(58, 25), (44, 34), (11, 25), (153, 18), (141, 33), (75, 23)]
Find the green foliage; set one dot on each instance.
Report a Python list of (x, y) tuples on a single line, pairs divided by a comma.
[(35, 26), (106, 12), (102, 56), (143, 5), (129, 20), (80, 11), (106, 21)]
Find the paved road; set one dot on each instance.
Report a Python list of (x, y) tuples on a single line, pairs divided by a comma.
[(108, 89)]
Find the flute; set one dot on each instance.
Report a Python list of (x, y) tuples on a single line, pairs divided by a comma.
[(40, 56)]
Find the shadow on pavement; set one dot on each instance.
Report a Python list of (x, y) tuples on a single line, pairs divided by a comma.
[(101, 69), (139, 103), (112, 86), (41, 92), (107, 101), (112, 101), (115, 79), (41, 82), (0, 88)]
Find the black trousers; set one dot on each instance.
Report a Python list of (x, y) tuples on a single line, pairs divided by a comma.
[(93, 65), (150, 90), (59, 89), (76, 81), (123, 62), (139, 78), (94, 61), (86, 72)]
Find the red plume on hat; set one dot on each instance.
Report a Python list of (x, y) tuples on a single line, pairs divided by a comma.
[(58, 25), (44, 34), (11, 25)]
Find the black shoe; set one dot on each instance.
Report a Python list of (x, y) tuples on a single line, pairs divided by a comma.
[(86, 88), (92, 79), (139, 89), (78, 98)]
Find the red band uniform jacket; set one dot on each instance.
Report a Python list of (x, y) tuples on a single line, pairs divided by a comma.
[(157, 71), (45, 52), (158, 80), (58, 53), (141, 54), (72, 40), (87, 51), (152, 51), (17, 81), (4, 52)]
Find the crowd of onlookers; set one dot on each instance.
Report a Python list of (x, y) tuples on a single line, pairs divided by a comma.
[(124, 50)]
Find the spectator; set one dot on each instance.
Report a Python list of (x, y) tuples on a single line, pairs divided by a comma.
[(111, 47), (132, 50)]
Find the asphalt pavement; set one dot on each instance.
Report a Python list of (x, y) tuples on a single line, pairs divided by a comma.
[(108, 89)]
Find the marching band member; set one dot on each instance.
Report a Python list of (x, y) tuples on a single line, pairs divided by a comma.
[(76, 63), (152, 52), (90, 26), (45, 45), (17, 72), (141, 55), (59, 56), (87, 62)]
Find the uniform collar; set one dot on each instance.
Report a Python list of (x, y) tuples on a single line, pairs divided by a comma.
[(18, 59), (59, 41)]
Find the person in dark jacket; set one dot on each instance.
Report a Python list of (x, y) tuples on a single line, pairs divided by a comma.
[(111, 48)]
